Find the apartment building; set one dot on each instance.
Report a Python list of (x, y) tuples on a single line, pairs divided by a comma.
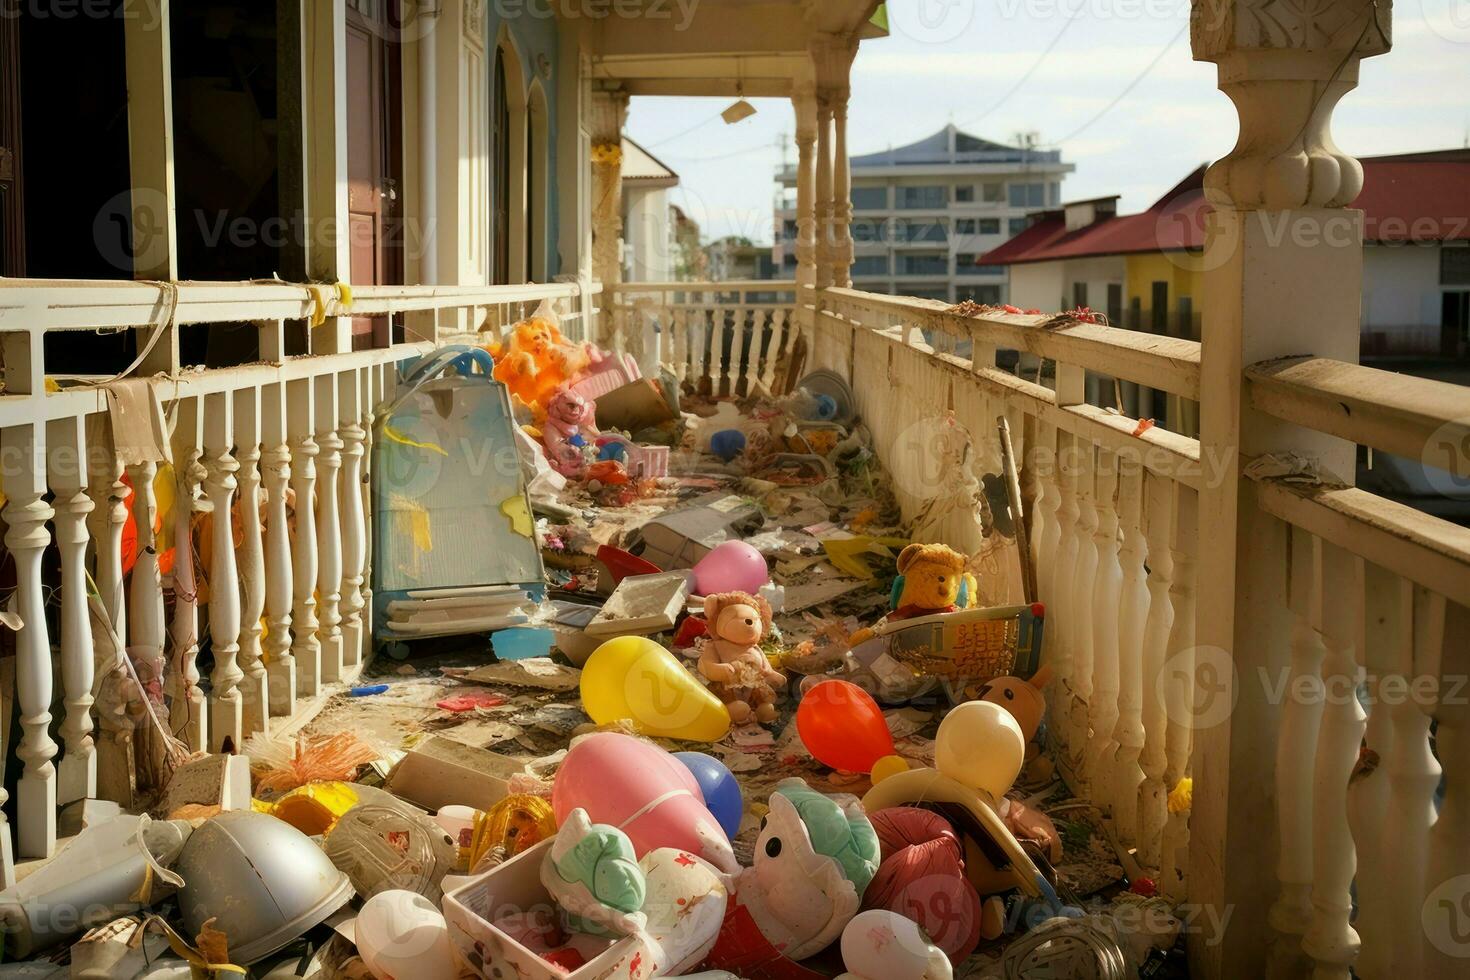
[(922, 213)]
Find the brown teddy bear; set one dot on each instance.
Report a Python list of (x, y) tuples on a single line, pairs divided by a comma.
[(931, 579), (732, 659)]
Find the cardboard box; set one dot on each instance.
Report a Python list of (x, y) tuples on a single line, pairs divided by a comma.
[(680, 539), (439, 772), (635, 406)]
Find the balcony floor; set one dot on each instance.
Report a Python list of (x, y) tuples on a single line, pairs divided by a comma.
[(534, 724)]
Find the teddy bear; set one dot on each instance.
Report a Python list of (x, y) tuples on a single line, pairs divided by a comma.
[(931, 579), (565, 431), (732, 659), (536, 360)]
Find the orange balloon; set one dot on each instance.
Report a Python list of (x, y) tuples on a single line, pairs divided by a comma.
[(843, 727)]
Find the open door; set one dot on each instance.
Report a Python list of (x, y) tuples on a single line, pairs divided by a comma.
[(374, 154)]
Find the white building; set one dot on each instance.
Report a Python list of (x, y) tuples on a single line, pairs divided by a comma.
[(923, 213), (650, 244)]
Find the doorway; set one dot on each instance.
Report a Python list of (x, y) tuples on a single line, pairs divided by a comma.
[(374, 155)]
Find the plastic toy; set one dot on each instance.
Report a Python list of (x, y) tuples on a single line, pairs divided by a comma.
[(633, 677), (400, 933), (923, 877), (931, 579), (732, 659), (978, 754), (813, 860), (565, 432), (536, 360), (883, 945), (731, 566), (515, 824), (719, 787), (842, 726), (645, 792), (727, 444)]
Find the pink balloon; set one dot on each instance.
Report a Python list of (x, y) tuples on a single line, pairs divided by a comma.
[(643, 791), (731, 566)]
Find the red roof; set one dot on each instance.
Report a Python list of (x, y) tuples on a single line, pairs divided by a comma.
[(1415, 197)]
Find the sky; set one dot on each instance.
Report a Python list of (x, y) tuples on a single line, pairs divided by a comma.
[(1111, 82)]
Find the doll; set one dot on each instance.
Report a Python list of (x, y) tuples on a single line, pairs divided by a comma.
[(732, 659)]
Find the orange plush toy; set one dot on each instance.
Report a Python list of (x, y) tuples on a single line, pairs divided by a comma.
[(536, 360)]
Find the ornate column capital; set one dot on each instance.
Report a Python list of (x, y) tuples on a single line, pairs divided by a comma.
[(1285, 64)]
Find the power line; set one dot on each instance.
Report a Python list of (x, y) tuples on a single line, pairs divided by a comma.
[(1029, 71), (722, 156), (682, 134), (1127, 89)]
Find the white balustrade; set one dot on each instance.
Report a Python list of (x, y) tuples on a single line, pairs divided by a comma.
[(66, 442), (1133, 614), (1102, 703), (253, 684)]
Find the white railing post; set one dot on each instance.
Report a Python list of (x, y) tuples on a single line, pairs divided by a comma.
[(226, 714), (1153, 794), (306, 646), (354, 528), (1084, 580), (279, 578), (1133, 612), (254, 687), (1283, 261), (187, 716), (329, 528), (1102, 710), (1185, 692), (26, 514), (66, 440)]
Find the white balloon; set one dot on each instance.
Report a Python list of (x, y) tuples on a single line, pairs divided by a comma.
[(883, 945), (401, 934)]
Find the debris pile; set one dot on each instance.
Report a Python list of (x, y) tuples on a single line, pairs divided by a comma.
[(672, 692)]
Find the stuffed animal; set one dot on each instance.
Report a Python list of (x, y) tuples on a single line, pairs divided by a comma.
[(931, 579), (732, 659), (565, 433), (1026, 703), (536, 360), (923, 877)]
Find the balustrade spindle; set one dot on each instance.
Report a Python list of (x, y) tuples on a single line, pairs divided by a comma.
[(1081, 633), (329, 529), (376, 383), (1133, 612), (26, 514), (145, 601), (226, 716), (1153, 793), (1413, 776), (1381, 632), (254, 684), (306, 646), (1296, 753), (67, 442), (1443, 913), (779, 320), (1063, 605), (745, 328), (1102, 711), (679, 343), (1330, 939), (1182, 694), (1046, 531), (116, 767), (719, 330), (354, 531), (186, 718), (279, 578)]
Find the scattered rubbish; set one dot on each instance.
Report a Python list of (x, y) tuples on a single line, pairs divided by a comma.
[(211, 780), (307, 759), (537, 672), (642, 604), (634, 679), (680, 539), (110, 869), (471, 701), (634, 406), (368, 690), (401, 933), (439, 772), (390, 847), (262, 880), (521, 643)]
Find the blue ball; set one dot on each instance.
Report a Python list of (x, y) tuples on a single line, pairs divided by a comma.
[(727, 444), (720, 788), (613, 450)]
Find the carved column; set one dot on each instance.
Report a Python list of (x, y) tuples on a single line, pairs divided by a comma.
[(329, 529), (609, 110), (279, 590), (1283, 274), (805, 104), (824, 188), (255, 697), (226, 714), (832, 56), (67, 440), (354, 530), (305, 647), (26, 514)]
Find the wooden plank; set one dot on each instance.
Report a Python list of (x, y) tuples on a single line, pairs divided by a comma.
[(1167, 363), (1412, 417), (1407, 542)]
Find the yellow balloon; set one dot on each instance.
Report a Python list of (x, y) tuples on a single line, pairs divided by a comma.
[(633, 677)]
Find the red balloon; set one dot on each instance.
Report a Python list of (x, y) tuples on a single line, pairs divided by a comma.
[(843, 727)]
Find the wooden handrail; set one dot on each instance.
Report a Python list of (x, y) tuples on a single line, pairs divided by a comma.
[(1394, 413)]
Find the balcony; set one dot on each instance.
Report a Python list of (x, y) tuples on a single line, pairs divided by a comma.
[(1256, 667)]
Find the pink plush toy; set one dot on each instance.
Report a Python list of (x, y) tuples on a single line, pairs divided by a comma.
[(568, 424)]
